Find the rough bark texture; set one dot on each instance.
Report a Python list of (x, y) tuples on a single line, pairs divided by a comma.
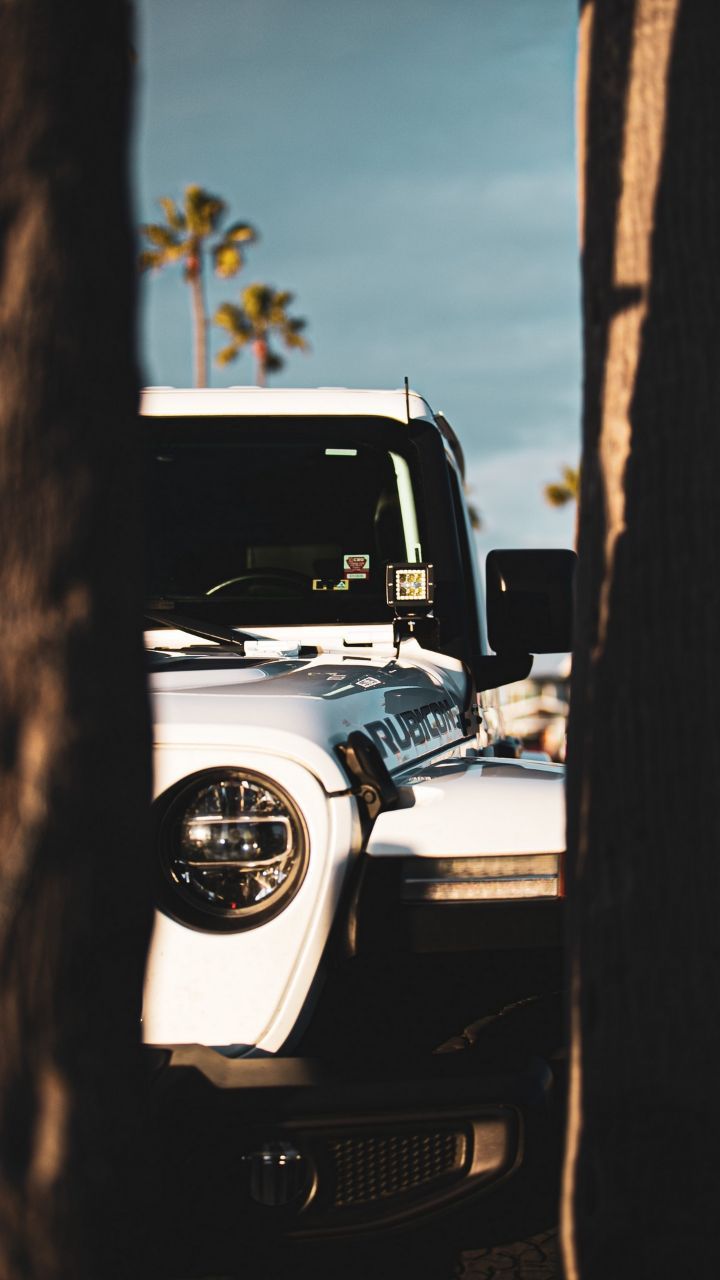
[(74, 772), (642, 1182)]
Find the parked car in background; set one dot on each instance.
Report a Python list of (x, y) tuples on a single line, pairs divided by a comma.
[(535, 710)]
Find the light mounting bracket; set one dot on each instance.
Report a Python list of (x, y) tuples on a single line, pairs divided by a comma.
[(410, 593)]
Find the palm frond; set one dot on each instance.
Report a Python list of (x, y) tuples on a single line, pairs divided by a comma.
[(163, 237), (228, 354), (292, 333), (257, 301), (476, 521), (228, 260), (273, 362), (203, 211), (176, 251), (233, 319), (150, 259), (241, 233), (560, 493), (557, 495), (172, 213), (295, 340)]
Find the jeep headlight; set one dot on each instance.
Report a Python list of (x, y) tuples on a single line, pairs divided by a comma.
[(233, 850)]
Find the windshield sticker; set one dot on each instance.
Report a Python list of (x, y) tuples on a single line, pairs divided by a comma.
[(330, 584), (368, 682), (357, 566)]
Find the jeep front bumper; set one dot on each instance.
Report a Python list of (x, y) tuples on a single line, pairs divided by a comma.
[(289, 1150)]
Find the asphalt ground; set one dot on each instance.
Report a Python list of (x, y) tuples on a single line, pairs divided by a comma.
[(537, 1258)]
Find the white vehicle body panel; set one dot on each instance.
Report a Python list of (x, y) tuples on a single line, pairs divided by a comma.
[(282, 402), (467, 807), (248, 988), (282, 714), (282, 719)]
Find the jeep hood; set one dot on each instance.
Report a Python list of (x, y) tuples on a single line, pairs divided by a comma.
[(303, 708), (468, 806)]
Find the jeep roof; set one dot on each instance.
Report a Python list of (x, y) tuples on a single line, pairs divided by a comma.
[(284, 402)]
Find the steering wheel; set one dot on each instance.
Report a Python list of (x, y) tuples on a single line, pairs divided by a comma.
[(292, 578)]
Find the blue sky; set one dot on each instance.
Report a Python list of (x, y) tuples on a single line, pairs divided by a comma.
[(410, 166)]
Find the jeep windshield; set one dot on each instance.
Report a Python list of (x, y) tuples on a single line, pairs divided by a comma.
[(279, 521)]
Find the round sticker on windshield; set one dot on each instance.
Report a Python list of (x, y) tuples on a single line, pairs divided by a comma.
[(356, 566)]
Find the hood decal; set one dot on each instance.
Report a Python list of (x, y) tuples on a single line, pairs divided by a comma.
[(408, 710), (416, 727)]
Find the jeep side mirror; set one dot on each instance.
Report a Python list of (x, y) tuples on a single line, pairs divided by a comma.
[(530, 601)]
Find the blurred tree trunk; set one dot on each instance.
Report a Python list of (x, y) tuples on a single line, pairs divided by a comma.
[(74, 772), (642, 1183), (200, 324)]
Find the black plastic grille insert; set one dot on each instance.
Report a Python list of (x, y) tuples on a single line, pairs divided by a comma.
[(375, 1168)]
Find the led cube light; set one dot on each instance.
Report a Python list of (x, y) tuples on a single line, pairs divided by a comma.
[(409, 587)]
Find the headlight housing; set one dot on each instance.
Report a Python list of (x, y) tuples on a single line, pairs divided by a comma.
[(233, 850)]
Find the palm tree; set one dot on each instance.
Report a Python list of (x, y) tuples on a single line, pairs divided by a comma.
[(263, 312), (565, 490), (71, 1088), (183, 238)]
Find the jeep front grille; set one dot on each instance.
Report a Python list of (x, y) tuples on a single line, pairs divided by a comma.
[(369, 1169)]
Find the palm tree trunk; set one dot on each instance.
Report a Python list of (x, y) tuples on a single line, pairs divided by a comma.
[(642, 1182), (200, 326), (75, 897), (260, 350)]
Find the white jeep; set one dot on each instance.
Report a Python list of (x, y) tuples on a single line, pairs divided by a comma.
[(350, 878)]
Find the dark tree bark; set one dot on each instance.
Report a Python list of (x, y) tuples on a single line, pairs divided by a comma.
[(642, 1182), (74, 771)]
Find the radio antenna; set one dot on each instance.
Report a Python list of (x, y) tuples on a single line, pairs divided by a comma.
[(407, 399)]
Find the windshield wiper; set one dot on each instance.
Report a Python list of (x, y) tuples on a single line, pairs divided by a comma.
[(220, 634)]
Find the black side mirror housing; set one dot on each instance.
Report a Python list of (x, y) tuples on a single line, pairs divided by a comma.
[(530, 601)]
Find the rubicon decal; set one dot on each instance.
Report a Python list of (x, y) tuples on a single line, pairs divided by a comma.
[(415, 727)]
